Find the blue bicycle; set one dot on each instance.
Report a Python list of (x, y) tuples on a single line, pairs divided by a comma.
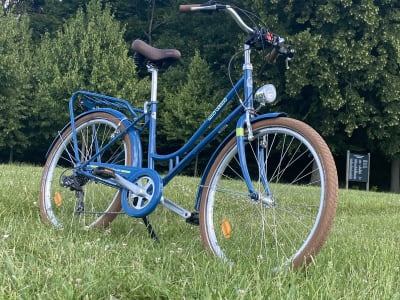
[(268, 193)]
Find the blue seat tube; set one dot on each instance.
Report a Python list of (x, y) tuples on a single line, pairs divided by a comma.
[(153, 116)]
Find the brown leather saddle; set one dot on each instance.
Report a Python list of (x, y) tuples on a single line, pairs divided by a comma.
[(162, 58)]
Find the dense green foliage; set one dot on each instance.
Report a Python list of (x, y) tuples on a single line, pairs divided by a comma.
[(350, 62), (87, 53), (15, 84), (192, 98), (344, 79), (359, 261)]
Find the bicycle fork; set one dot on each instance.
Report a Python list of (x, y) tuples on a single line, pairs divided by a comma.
[(259, 150), (244, 122)]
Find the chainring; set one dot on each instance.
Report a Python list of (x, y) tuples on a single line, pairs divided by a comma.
[(142, 204)]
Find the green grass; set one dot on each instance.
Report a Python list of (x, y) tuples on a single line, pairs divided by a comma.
[(360, 260)]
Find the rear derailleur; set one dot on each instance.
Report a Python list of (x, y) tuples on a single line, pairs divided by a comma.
[(75, 183)]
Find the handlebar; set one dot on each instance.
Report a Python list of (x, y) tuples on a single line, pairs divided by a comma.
[(214, 7), (258, 38)]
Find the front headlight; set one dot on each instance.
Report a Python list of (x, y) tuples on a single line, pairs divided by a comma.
[(265, 94)]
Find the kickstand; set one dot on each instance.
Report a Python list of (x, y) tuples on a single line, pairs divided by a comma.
[(150, 229)]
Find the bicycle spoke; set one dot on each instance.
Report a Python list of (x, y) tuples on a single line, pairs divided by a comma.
[(284, 227)]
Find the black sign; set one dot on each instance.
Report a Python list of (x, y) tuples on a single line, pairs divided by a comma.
[(358, 167)]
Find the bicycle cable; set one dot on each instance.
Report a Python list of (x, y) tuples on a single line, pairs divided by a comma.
[(251, 16), (233, 85), (253, 19), (230, 75)]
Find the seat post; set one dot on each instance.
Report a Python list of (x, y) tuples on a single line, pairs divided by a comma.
[(154, 82), (153, 114)]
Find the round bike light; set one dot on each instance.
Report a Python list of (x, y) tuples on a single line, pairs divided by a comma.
[(266, 93)]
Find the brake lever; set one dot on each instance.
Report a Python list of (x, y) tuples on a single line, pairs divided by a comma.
[(287, 59), (289, 53)]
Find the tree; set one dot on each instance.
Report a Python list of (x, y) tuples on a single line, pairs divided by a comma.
[(186, 105), (344, 79), (385, 117), (15, 87), (88, 53)]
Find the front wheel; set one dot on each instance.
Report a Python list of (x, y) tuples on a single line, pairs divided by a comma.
[(290, 219)]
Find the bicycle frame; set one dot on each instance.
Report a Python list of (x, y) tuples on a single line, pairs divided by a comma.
[(179, 159)]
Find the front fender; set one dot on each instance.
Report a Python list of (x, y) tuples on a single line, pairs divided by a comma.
[(220, 147), (133, 134)]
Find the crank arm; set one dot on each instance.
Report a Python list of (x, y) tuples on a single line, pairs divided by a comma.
[(175, 208), (108, 173), (130, 186)]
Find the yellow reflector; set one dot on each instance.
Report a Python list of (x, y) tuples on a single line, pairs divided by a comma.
[(239, 131), (58, 199), (226, 228)]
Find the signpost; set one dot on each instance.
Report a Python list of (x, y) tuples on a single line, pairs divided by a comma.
[(357, 168)]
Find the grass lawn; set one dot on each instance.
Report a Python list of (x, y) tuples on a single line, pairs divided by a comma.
[(361, 259)]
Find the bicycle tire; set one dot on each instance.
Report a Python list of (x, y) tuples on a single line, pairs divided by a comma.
[(58, 204), (289, 231)]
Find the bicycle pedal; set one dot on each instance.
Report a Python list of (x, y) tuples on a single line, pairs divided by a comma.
[(104, 173), (193, 219)]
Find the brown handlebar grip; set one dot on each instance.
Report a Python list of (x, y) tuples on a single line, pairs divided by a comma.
[(271, 57), (187, 7)]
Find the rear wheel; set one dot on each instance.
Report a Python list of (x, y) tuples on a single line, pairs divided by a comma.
[(70, 200), (288, 226)]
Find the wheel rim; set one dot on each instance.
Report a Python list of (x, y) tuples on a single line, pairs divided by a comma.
[(284, 234)]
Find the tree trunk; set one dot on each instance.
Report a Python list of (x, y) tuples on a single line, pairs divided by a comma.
[(11, 157), (395, 176), (195, 165)]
